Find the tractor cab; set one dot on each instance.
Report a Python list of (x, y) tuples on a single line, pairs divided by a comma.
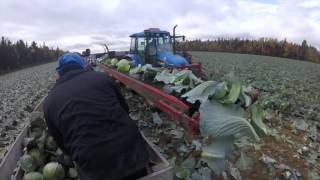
[(154, 46)]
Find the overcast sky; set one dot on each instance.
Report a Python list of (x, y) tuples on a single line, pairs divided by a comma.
[(78, 24)]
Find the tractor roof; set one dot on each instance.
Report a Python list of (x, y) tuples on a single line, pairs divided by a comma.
[(151, 31)]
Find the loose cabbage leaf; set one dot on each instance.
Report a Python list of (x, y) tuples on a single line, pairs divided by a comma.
[(172, 88), (233, 95), (244, 162), (204, 173), (189, 163), (300, 124), (222, 123), (156, 119), (178, 78), (165, 77), (182, 173), (244, 98), (233, 171), (146, 67), (194, 80), (220, 91), (222, 120), (215, 154), (136, 70), (180, 88), (106, 61), (257, 116), (149, 67), (201, 92), (177, 133), (196, 145), (181, 77)]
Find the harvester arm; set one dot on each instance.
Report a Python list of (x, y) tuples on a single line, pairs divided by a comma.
[(106, 49)]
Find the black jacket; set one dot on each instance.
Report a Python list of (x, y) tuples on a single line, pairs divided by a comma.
[(88, 117)]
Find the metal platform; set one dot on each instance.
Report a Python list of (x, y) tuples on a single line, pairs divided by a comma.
[(175, 108)]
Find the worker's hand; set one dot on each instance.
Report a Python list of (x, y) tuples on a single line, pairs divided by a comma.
[(56, 76), (131, 63)]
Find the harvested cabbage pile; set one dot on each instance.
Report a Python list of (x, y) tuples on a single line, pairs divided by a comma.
[(41, 158), (123, 65)]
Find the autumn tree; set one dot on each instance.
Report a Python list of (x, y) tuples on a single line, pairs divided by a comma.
[(262, 46)]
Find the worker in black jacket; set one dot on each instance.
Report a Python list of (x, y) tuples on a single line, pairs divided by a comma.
[(88, 117)]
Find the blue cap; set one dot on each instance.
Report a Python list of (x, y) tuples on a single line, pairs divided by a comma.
[(68, 59)]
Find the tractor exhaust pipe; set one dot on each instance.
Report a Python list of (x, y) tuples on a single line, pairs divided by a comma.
[(174, 39)]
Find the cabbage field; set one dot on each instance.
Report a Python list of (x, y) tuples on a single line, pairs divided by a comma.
[(290, 96), (275, 137), (20, 91), (290, 87)]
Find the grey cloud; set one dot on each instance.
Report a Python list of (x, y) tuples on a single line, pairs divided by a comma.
[(88, 23), (78, 46)]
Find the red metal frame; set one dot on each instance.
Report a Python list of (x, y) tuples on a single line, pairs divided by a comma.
[(172, 106)]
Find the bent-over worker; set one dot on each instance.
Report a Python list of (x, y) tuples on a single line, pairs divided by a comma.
[(89, 119)]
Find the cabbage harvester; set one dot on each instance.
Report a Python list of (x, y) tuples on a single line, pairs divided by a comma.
[(157, 47)]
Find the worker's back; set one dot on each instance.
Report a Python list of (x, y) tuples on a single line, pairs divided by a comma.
[(87, 114)]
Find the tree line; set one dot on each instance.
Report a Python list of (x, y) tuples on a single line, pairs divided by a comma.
[(262, 46), (19, 54)]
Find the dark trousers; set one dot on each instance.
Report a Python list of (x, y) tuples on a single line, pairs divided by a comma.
[(136, 175)]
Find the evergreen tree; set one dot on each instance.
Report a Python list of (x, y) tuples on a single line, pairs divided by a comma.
[(18, 55)]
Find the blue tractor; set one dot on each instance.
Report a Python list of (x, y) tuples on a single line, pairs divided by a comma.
[(156, 47)]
